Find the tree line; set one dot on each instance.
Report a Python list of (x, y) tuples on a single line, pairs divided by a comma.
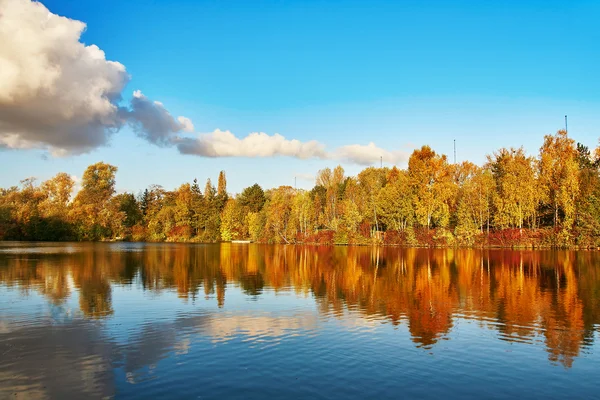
[(512, 200)]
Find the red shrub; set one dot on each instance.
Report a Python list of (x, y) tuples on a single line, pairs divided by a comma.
[(394, 237), (180, 232), (323, 237), (365, 229), (425, 237)]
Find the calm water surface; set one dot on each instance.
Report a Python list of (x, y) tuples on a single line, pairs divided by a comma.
[(242, 321)]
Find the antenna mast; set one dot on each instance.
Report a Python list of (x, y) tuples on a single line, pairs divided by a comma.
[(454, 151)]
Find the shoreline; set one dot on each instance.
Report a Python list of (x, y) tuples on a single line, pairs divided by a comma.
[(313, 244)]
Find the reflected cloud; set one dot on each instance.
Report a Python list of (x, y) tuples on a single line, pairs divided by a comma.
[(56, 362), (257, 328), (78, 359)]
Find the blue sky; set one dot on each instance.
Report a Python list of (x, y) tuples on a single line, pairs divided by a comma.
[(400, 74)]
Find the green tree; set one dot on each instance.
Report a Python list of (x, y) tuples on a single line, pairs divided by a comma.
[(253, 198), (212, 206), (128, 205)]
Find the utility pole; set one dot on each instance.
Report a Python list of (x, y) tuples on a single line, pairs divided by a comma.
[(381, 161), (454, 151), (566, 127), (295, 187)]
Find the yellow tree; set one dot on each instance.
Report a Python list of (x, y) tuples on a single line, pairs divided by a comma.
[(432, 186), (475, 194), (232, 221), (351, 216), (90, 204), (516, 191), (588, 198), (371, 181), (559, 177), (394, 202), (279, 218), (183, 210), (303, 213), (27, 203), (58, 194), (331, 181)]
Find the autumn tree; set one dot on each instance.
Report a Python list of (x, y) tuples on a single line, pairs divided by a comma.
[(371, 181), (233, 221), (332, 182), (305, 219), (153, 203), (559, 180), (516, 189), (57, 192), (394, 202), (90, 204), (28, 213), (432, 187), (587, 203), (197, 208), (475, 195), (279, 218)]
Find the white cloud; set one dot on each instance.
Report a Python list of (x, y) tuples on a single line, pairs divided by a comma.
[(225, 144), (186, 124), (58, 94)]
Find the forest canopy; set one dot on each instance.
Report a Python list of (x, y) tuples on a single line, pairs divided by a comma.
[(514, 199)]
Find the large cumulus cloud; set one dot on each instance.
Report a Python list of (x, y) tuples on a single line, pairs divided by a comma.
[(59, 94)]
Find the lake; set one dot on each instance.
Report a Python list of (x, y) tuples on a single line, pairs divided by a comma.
[(239, 321)]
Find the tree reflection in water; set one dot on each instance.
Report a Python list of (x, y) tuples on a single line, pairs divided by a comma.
[(524, 295)]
